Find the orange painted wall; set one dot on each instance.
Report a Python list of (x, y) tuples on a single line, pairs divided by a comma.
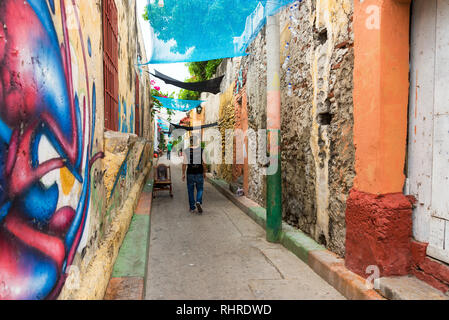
[(381, 87)]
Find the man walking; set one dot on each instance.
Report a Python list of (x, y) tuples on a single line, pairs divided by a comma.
[(196, 169), (169, 149)]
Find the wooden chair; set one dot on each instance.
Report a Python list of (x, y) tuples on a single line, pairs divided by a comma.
[(162, 179)]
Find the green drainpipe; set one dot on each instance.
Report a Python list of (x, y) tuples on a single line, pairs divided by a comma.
[(274, 182)]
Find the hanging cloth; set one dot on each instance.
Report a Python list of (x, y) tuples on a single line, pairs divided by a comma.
[(212, 86), (201, 30), (176, 126), (178, 104)]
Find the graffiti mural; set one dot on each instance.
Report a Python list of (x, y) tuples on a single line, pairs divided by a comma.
[(126, 124), (46, 146)]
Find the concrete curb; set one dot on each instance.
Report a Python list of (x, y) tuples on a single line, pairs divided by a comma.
[(148, 189), (324, 262), (94, 281)]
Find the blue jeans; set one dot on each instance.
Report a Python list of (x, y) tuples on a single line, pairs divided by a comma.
[(195, 180)]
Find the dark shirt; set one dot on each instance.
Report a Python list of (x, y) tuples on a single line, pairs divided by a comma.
[(194, 160)]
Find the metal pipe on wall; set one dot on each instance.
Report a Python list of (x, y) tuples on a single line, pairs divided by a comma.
[(274, 181)]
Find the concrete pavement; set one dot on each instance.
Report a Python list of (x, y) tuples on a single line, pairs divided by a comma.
[(220, 255)]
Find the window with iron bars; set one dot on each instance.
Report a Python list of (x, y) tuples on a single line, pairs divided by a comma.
[(110, 64)]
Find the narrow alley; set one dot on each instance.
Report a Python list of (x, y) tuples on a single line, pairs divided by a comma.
[(318, 131), (221, 255)]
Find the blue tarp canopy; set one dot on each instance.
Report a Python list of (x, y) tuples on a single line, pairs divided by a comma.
[(178, 104), (200, 30)]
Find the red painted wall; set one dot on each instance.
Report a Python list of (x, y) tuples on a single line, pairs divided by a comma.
[(378, 215)]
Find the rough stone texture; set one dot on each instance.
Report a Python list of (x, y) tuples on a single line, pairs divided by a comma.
[(253, 69), (317, 120), (227, 122), (298, 163), (256, 90), (342, 153), (379, 231), (240, 105), (213, 105), (408, 288)]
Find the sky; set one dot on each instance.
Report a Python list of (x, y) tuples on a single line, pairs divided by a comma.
[(177, 71)]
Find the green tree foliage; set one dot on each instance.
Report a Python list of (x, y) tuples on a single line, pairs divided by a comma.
[(189, 95), (200, 71), (203, 70), (162, 146)]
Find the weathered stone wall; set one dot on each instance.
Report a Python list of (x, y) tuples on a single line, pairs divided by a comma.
[(126, 155), (220, 108), (212, 108), (227, 122), (211, 115), (256, 91), (212, 105), (317, 120), (298, 162)]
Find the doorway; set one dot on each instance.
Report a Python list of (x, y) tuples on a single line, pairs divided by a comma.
[(428, 146)]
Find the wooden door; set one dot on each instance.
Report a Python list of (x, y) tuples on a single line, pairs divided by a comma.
[(428, 150)]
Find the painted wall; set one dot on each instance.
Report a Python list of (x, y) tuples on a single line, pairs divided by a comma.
[(379, 216), (51, 142), (129, 49), (125, 156)]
